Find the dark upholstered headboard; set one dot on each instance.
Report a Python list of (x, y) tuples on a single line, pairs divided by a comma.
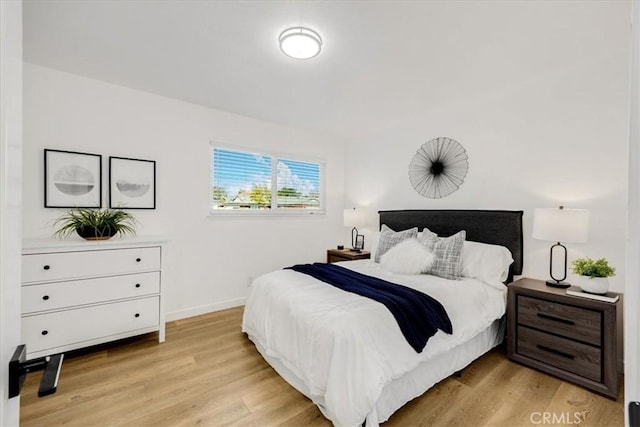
[(496, 227)]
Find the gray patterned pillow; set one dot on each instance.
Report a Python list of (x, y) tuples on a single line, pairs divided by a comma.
[(390, 238), (448, 251)]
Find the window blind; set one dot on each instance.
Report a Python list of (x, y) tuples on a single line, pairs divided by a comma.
[(248, 181)]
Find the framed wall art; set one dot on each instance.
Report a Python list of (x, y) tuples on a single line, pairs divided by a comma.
[(72, 179), (438, 168), (132, 183)]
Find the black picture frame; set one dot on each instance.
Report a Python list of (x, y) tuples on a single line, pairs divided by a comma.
[(72, 179), (132, 183), (359, 242)]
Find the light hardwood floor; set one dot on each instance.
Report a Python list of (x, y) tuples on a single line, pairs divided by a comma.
[(208, 373)]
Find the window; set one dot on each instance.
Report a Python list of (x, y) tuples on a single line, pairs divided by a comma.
[(251, 182)]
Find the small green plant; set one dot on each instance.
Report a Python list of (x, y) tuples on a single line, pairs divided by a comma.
[(95, 223), (588, 267)]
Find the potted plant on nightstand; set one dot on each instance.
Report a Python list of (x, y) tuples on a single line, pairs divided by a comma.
[(594, 275), (95, 224)]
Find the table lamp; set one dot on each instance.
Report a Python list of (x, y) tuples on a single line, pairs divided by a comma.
[(353, 218), (560, 225)]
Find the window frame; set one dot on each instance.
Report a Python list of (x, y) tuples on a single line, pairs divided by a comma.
[(274, 210)]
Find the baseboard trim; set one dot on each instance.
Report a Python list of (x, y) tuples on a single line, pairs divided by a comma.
[(204, 309)]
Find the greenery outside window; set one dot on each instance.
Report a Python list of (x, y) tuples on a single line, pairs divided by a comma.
[(250, 182)]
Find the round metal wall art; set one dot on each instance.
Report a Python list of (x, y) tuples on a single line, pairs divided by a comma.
[(438, 168)]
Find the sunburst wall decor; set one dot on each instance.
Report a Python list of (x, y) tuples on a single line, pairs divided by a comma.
[(438, 168)]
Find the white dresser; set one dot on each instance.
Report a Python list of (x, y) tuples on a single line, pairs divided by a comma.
[(79, 293)]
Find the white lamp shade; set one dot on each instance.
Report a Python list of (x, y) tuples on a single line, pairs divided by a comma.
[(561, 225), (354, 217)]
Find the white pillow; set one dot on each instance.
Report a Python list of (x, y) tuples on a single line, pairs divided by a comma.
[(407, 257), (482, 261)]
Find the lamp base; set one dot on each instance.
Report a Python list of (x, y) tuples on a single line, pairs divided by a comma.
[(556, 284), (355, 250)]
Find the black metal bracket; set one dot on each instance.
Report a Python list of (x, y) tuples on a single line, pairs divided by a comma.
[(19, 367), (634, 414)]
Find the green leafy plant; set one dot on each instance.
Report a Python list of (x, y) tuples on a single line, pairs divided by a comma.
[(95, 223), (588, 267)]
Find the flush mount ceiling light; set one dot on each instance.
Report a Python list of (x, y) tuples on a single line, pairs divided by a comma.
[(300, 42)]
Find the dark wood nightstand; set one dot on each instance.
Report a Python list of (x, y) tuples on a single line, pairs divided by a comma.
[(337, 255), (573, 338)]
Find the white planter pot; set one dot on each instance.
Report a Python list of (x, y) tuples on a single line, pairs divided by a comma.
[(595, 285)]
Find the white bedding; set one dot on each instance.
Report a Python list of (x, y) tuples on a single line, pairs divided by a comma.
[(345, 348)]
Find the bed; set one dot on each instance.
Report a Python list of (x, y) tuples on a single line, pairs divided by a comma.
[(346, 353)]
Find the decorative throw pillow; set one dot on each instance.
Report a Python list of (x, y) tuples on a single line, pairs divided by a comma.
[(374, 238), (408, 257), (390, 238), (448, 252)]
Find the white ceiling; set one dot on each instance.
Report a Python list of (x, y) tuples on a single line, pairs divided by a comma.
[(382, 61)]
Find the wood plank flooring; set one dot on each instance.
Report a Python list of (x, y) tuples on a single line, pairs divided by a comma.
[(208, 373)]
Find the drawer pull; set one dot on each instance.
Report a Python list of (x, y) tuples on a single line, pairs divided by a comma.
[(45, 332), (137, 315), (46, 267), (556, 319), (46, 297), (556, 352), (138, 259), (137, 285)]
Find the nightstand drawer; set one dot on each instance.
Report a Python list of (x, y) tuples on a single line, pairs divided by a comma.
[(331, 258), (338, 255), (581, 359), (569, 321)]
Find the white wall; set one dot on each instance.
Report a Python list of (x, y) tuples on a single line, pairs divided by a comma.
[(10, 196), (209, 261), (541, 139), (632, 291)]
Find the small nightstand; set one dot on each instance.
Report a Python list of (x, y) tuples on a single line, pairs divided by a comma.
[(572, 338), (337, 255)]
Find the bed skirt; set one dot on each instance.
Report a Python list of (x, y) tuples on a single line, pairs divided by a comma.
[(412, 384)]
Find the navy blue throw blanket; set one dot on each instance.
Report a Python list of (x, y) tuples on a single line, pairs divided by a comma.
[(418, 315)]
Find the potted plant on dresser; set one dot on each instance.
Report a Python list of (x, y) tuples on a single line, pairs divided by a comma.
[(594, 275), (95, 224)]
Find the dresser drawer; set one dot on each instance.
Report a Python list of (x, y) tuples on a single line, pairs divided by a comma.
[(71, 327), (571, 356), (72, 265), (52, 296), (569, 321)]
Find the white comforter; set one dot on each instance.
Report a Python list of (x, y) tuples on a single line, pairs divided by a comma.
[(345, 348)]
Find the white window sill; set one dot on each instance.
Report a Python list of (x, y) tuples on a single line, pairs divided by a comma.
[(265, 214)]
